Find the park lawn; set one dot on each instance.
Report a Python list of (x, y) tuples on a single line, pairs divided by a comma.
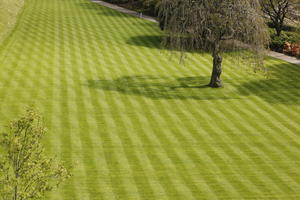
[(133, 122), (10, 9)]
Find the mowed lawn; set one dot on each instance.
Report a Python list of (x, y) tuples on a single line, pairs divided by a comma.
[(8, 15), (134, 123)]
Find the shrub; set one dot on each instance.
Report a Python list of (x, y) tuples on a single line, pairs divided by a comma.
[(277, 42)]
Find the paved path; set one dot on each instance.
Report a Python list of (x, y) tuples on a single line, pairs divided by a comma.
[(152, 19), (281, 56)]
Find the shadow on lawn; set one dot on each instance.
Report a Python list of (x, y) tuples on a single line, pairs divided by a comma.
[(162, 87), (149, 41), (282, 88), (273, 91), (90, 6)]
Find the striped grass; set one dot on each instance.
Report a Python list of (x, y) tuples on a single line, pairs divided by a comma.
[(132, 120)]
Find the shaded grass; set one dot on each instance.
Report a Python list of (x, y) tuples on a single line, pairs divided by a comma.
[(138, 125)]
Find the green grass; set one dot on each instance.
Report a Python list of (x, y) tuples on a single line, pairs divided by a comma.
[(10, 10), (134, 123)]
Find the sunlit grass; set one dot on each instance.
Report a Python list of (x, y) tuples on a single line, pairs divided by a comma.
[(9, 11), (137, 124)]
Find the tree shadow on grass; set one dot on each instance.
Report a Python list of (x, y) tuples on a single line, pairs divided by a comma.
[(283, 87), (272, 90), (90, 6), (155, 87), (149, 41)]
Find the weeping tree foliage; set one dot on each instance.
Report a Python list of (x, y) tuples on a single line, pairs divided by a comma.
[(213, 25), (25, 171)]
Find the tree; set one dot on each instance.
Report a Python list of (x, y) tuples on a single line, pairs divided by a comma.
[(209, 24), (25, 171), (277, 11)]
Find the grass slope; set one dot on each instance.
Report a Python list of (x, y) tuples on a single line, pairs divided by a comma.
[(134, 123), (8, 15)]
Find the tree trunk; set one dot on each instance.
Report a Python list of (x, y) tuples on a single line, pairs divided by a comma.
[(15, 197), (278, 30), (215, 81)]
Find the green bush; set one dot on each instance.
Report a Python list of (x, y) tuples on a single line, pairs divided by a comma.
[(277, 42)]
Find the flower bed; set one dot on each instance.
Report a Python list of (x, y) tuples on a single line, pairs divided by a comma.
[(292, 49)]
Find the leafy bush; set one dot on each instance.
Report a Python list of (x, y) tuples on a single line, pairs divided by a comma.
[(277, 42)]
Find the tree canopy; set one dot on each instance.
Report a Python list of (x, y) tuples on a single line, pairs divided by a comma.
[(25, 170), (209, 24)]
